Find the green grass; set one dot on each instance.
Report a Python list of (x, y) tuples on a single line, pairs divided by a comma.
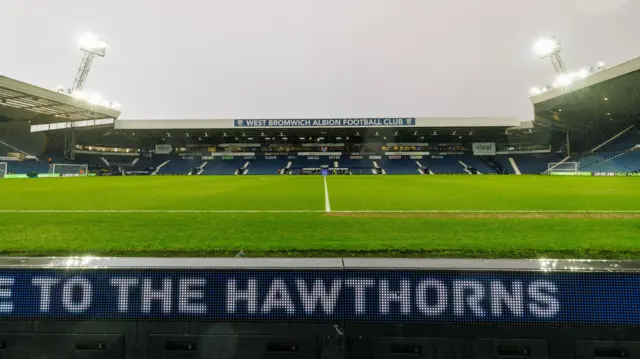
[(496, 235)]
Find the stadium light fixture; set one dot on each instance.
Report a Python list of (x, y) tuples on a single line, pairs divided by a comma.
[(565, 79), (550, 47), (91, 46), (91, 43), (583, 73), (95, 99), (535, 91), (546, 46)]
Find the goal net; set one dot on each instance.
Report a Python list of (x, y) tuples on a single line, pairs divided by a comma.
[(563, 167), (68, 170), (3, 169)]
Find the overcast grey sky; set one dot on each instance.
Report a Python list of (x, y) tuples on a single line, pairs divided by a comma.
[(313, 58)]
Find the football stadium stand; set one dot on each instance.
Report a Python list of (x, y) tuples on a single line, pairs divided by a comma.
[(38, 126)]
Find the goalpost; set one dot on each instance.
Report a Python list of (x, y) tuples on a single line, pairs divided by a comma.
[(563, 167), (4, 169), (68, 170)]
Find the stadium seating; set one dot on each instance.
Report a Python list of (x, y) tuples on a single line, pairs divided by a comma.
[(223, 167), (623, 162), (589, 160), (626, 141), (300, 163), (144, 163), (265, 167), (530, 163), (477, 163), (356, 166), (23, 167), (402, 166), (178, 165), (444, 165)]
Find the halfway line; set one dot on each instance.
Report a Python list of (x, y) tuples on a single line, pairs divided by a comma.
[(327, 205), (327, 209)]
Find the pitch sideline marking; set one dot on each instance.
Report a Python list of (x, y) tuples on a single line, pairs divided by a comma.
[(327, 205), (328, 209)]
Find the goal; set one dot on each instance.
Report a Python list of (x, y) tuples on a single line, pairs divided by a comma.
[(563, 167), (68, 170), (3, 169)]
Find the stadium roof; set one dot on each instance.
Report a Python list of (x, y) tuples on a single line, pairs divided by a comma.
[(19, 100), (427, 122), (612, 93)]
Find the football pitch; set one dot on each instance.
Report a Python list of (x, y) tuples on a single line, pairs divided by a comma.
[(305, 216)]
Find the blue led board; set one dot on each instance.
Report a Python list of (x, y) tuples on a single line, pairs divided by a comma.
[(371, 296)]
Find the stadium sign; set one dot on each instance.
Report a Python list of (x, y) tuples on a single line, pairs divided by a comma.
[(163, 149), (328, 122), (484, 148), (407, 296)]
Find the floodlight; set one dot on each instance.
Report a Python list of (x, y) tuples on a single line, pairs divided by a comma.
[(566, 79), (79, 95), (95, 99), (535, 91), (116, 106), (546, 46), (601, 64), (93, 44), (583, 73), (549, 47)]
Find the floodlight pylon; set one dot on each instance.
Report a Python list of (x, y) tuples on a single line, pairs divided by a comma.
[(83, 72), (91, 47), (550, 47)]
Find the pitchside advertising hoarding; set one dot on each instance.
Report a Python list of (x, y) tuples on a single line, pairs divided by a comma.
[(415, 296), (328, 122)]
